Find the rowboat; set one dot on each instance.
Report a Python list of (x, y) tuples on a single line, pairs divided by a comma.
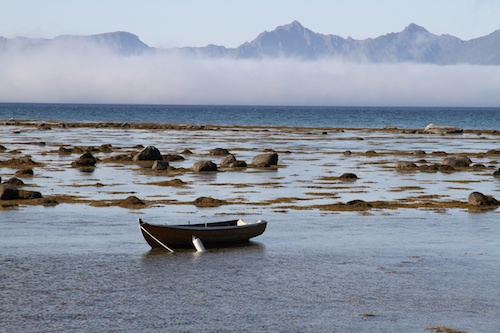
[(215, 234)]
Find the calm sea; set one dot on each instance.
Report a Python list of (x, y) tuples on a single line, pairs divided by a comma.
[(82, 268), (307, 116)]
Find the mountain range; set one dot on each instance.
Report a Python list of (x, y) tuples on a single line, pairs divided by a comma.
[(414, 44)]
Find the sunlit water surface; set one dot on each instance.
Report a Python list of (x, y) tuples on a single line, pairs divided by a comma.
[(92, 272), (78, 268)]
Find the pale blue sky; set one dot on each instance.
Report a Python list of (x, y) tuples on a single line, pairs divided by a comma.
[(166, 23)]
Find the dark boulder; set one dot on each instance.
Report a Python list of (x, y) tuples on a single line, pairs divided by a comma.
[(86, 160), (150, 153), (348, 176), (219, 152), (204, 166), (24, 172), (160, 165), (8, 192), (14, 181), (497, 173), (479, 199), (267, 159)]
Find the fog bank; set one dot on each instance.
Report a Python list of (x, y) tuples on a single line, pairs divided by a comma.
[(98, 76)]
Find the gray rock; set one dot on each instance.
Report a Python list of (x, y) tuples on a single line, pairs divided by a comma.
[(479, 199), (226, 161), (460, 161), (437, 129), (267, 159), (204, 166)]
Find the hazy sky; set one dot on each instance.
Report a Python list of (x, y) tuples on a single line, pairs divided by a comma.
[(165, 23)]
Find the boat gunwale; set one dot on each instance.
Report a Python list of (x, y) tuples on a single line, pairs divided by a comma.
[(206, 226)]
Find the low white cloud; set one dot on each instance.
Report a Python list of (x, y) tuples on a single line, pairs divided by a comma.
[(97, 76)]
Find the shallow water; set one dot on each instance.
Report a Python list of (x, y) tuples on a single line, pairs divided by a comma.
[(78, 268), (308, 272)]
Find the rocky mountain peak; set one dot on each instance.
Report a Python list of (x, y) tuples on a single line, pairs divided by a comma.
[(414, 29)]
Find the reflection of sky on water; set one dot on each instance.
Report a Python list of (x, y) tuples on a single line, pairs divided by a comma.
[(411, 269), (308, 162)]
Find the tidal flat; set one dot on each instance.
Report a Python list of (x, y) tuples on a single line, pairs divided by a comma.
[(388, 250), (307, 177)]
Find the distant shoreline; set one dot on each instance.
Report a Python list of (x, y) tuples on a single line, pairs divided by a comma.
[(49, 124)]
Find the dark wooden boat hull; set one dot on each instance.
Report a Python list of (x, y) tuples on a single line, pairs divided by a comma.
[(211, 234)]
